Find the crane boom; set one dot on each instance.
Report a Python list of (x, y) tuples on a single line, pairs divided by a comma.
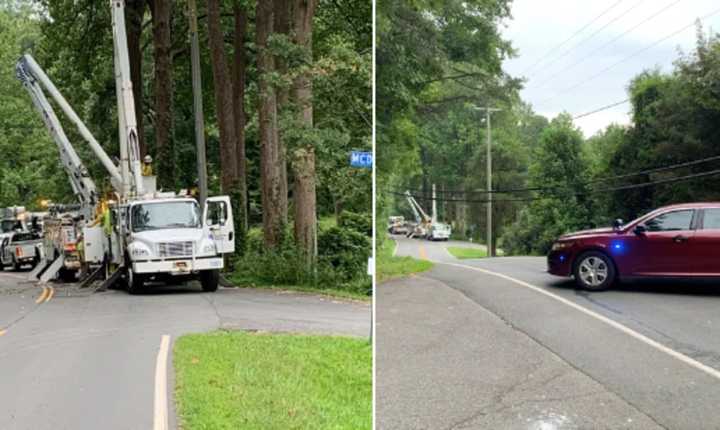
[(31, 74), (130, 168), (82, 185), (420, 214)]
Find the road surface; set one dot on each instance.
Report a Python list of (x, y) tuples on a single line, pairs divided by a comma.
[(75, 360), (498, 343)]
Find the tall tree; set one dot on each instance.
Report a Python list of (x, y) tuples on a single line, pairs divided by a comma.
[(282, 27), (240, 76), (224, 108), (304, 156), (134, 14), (162, 42), (270, 175)]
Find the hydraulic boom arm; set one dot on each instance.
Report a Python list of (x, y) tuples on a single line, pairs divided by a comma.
[(82, 185)]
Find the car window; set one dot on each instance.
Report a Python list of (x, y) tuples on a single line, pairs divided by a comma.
[(670, 221), (711, 219)]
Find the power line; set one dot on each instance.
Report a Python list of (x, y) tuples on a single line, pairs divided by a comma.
[(625, 33), (634, 54), (610, 106), (592, 181), (583, 28), (602, 190), (592, 35)]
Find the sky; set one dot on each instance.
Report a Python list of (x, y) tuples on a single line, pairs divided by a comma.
[(594, 67)]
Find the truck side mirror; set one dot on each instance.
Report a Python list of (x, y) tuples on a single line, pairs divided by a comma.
[(640, 230)]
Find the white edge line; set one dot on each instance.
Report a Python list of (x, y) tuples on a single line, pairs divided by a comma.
[(160, 417), (397, 245), (641, 337)]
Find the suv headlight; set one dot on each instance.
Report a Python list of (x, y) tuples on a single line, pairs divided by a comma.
[(558, 246)]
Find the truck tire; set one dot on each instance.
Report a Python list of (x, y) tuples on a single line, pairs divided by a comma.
[(209, 280), (66, 275), (135, 281)]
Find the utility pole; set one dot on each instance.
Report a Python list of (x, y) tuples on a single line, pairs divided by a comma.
[(434, 205), (488, 111), (197, 103)]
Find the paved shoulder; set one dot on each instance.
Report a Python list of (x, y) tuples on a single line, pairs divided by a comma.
[(443, 362)]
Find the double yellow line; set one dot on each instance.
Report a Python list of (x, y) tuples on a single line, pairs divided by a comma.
[(46, 295)]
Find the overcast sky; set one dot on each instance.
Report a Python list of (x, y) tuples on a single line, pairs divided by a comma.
[(556, 80)]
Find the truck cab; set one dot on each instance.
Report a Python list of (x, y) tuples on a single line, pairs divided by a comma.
[(20, 248), (171, 237)]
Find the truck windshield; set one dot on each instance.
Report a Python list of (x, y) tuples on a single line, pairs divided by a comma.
[(8, 225), (156, 216)]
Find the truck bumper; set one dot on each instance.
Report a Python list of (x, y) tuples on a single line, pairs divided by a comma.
[(178, 267)]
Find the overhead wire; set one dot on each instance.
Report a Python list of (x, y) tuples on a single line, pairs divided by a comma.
[(593, 34), (590, 182), (624, 59), (583, 28), (603, 190), (613, 40)]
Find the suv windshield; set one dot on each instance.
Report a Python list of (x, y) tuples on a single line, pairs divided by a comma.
[(156, 216)]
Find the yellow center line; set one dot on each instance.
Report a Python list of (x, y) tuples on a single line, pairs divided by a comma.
[(50, 296), (422, 252), (44, 293), (2, 332)]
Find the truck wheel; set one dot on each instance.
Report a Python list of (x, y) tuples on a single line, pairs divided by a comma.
[(66, 275), (135, 281), (209, 280)]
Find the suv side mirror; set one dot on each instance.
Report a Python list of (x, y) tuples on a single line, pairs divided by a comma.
[(617, 224), (640, 229)]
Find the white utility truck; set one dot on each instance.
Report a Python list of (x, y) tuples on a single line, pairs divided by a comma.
[(139, 234)]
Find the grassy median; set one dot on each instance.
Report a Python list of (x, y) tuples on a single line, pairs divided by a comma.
[(389, 266), (240, 380), (464, 253)]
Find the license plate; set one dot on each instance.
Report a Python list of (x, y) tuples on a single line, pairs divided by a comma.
[(182, 266)]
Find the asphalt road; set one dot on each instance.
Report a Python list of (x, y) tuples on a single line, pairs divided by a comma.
[(531, 352), (80, 360)]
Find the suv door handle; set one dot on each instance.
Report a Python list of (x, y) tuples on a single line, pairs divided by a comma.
[(680, 238)]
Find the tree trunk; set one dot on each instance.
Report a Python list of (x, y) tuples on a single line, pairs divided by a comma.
[(282, 26), (239, 73), (224, 108), (162, 42), (304, 158), (134, 13), (267, 117)]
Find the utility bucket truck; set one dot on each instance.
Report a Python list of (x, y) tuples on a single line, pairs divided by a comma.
[(134, 232)]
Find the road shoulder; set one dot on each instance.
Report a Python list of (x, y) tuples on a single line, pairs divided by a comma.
[(512, 382)]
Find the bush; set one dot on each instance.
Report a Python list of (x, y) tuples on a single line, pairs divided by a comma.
[(345, 250), (359, 222), (341, 265)]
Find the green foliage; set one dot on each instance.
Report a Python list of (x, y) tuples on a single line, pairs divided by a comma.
[(559, 167), (358, 222), (341, 265)]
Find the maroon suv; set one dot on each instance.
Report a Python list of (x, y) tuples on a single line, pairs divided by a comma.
[(674, 241)]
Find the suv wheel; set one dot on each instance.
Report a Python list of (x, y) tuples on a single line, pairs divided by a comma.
[(594, 271), (209, 280)]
